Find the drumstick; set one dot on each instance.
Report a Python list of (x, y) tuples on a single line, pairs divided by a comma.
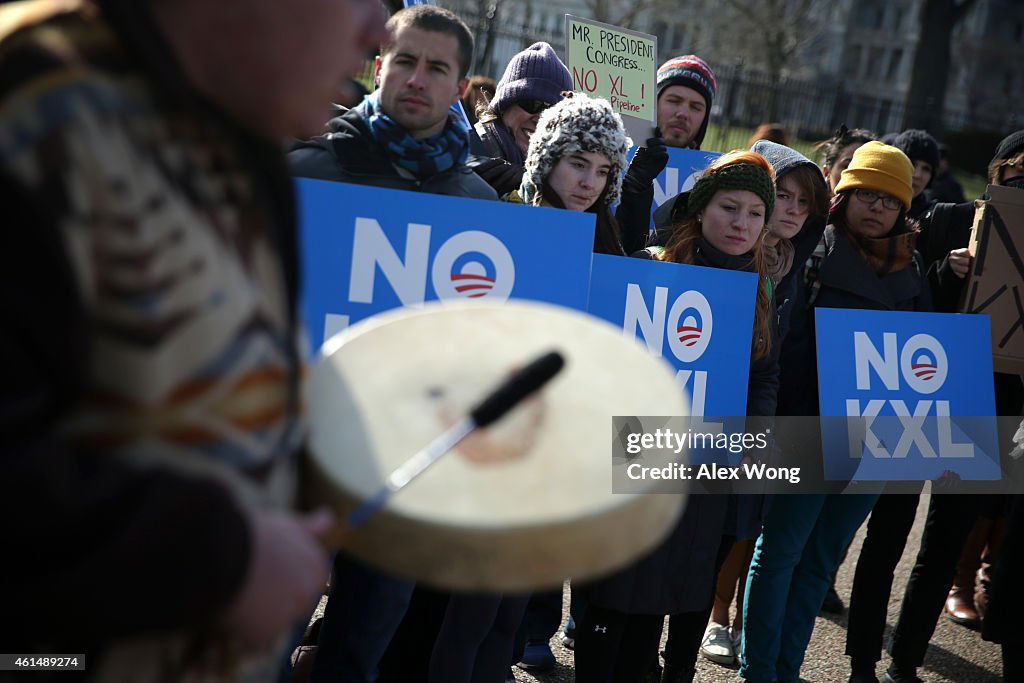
[(517, 387)]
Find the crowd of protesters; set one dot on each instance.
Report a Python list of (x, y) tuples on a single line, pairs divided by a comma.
[(97, 102)]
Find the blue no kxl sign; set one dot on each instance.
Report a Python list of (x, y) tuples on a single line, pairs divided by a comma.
[(917, 388), (366, 250), (700, 319)]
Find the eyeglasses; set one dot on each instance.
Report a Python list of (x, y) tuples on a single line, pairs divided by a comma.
[(869, 197), (533, 107)]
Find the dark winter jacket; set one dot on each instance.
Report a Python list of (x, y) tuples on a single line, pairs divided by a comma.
[(678, 576), (919, 206), (349, 153), (844, 280)]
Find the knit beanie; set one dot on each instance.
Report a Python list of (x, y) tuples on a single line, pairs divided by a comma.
[(577, 124), (536, 73), (880, 167), (732, 177), (690, 71), (1010, 146), (918, 145)]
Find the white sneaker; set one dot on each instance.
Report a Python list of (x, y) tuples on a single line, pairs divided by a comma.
[(717, 645)]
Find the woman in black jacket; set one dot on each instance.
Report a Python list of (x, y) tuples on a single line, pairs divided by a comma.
[(618, 637)]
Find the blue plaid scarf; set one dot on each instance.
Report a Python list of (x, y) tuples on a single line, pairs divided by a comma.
[(426, 157)]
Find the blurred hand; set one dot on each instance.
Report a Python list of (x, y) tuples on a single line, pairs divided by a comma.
[(960, 262), (287, 572)]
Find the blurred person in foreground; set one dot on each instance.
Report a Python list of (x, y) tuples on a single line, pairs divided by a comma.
[(150, 387)]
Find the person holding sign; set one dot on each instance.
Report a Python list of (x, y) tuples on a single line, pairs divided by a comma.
[(618, 637), (686, 88), (575, 161), (792, 232), (533, 81), (869, 263), (954, 522)]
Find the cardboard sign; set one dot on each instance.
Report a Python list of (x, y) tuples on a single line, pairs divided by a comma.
[(995, 284), (617, 64), (700, 319), (367, 250), (916, 391)]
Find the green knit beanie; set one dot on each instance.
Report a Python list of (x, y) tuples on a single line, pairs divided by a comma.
[(733, 177)]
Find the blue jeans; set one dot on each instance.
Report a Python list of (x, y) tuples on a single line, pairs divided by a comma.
[(801, 544), (362, 614)]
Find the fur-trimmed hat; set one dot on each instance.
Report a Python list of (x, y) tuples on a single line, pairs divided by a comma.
[(536, 73), (577, 124)]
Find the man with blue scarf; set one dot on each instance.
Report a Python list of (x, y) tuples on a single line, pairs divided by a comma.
[(405, 135)]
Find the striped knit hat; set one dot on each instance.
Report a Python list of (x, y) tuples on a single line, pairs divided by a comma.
[(691, 71)]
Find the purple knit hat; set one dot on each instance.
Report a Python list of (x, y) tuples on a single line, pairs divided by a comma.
[(536, 73)]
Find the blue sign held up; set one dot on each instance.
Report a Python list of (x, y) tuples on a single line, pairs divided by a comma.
[(916, 389), (700, 319), (366, 250)]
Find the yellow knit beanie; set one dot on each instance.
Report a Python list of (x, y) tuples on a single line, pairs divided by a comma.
[(882, 168)]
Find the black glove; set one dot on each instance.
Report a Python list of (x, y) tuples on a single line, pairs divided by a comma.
[(648, 162), (500, 174)]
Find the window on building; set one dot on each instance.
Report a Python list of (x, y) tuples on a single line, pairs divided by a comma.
[(1018, 33), (897, 20), (872, 64), (853, 61), (879, 17), (895, 60)]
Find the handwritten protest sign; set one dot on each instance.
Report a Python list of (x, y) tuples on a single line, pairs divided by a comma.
[(618, 65)]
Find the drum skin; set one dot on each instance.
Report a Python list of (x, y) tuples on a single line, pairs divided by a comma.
[(528, 502)]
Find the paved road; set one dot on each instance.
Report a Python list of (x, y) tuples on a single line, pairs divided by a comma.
[(956, 654)]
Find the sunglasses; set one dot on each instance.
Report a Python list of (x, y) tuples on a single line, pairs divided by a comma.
[(533, 107)]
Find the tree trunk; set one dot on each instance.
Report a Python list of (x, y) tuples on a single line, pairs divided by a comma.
[(926, 96)]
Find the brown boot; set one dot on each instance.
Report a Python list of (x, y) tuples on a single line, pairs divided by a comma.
[(960, 608), (988, 560)]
